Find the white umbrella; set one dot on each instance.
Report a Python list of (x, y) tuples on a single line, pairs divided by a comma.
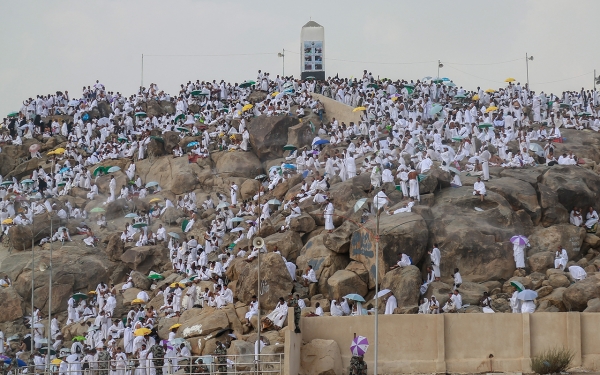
[(237, 229), (382, 293), (359, 203)]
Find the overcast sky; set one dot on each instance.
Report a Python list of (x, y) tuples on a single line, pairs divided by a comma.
[(62, 45)]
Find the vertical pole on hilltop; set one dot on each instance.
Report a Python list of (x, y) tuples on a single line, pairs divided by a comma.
[(32, 280), (527, 67), (594, 79), (142, 85), (49, 343), (257, 357), (377, 283), (438, 75), (283, 64)]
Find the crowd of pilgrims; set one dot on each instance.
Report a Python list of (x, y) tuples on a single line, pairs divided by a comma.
[(405, 127)]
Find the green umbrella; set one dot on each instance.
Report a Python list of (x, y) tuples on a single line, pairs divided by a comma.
[(449, 84), (247, 84), (565, 105), (435, 110), (196, 92), (78, 338), (373, 85), (139, 225), (289, 147), (103, 170), (182, 129), (80, 295), (460, 96), (44, 350), (310, 77), (184, 224), (180, 116), (13, 114), (517, 285), (155, 276), (457, 138), (158, 139), (122, 139), (437, 80), (140, 114), (97, 210), (485, 125)]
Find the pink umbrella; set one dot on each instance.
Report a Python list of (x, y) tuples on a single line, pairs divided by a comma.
[(359, 346), (34, 147)]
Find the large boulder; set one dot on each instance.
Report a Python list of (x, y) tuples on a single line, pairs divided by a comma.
[(249, 188), (269, 134), (74, 269), (237, 164), (404, 283), (339, 239), (325, 262), (146, 258), (567, 236), (300, 135), (289, 243), (345, 282), (472, 292), (540, 262), (21, 235), (345, 194), (274, 276), (115, 247), (475, 240), (574, 185), (577, 295), (303, 223), (11, 305), (174, 174), (552, 211), (208, 321), (321, 357), (404, 232), (519, 194)]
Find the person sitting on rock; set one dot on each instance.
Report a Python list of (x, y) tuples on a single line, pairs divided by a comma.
[(403, 261), (310, 276), (479, 189)]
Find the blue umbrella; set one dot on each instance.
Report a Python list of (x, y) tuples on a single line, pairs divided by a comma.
[(289, 166), (527, 295), (321, 142), (355, 297), (237, 220), (63, 169), (274, 202), (192, 144), (304, 174), (20, 362), (130, 215), (151, 183)]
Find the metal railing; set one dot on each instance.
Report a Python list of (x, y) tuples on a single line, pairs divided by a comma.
[(211, 364)]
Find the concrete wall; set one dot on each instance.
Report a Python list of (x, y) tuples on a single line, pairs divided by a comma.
[(341, 111), (457, 343)]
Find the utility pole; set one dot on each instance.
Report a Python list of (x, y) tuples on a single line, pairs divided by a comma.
[(142, 70), (377, 278), (282, 55), (527, 59), (440, 65)]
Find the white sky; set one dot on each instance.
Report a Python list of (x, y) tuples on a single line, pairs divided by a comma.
[(64, 44)]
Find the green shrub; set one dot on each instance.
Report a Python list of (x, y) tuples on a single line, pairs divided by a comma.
[(552, 361)]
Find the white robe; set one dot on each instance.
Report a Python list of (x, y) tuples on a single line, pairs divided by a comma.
[(328, 214), (390, 305), (519, 255)]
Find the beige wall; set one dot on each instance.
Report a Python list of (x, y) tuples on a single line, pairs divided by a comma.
[(459, 343), (341, 111)]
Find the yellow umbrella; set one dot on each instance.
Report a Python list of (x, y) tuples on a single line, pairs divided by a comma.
[(51, 153), (247, 107), (138, 301), (56, 361), (92, 292), (173, 285), (359, 109), (475, 97), (394, 98), (175, 326), (490, 90), (491, 109), (142, 332), (153, 200), (510, 79), (274, 94), (7, 221)]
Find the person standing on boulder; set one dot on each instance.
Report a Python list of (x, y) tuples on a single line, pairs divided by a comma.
[(436, 258), (328, 215), (234, 190)]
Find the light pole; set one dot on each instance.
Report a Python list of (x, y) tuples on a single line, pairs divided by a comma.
[(440, 65), (282, 55), (527, 59), (377, 279), (49, 343)]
